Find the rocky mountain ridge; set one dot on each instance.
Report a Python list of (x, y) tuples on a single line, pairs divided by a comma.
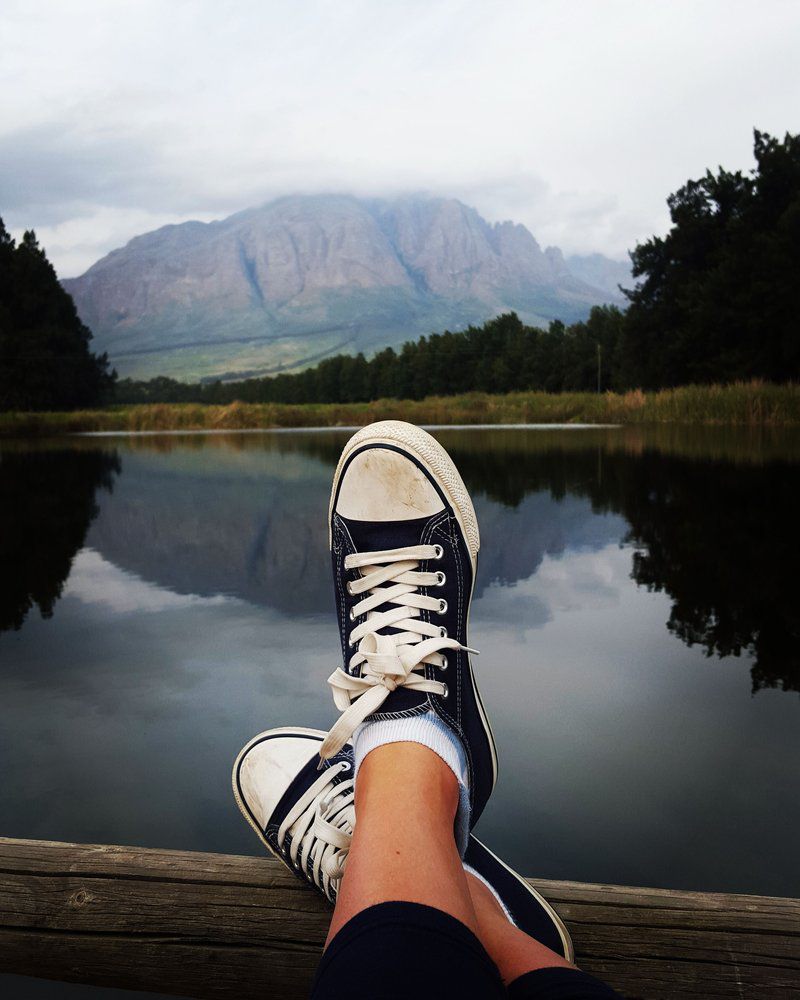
[(283, 285)]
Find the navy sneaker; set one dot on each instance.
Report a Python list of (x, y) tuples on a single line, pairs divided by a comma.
[(305, 818), (303, 814), (404, 541), (528, 909)]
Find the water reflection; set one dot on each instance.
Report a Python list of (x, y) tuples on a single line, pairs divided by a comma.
[(711, 514), (47, 502), (718, 536), (241, 515), (197, 611)]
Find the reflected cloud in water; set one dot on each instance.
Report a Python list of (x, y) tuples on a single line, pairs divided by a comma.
[(197, 612), (628, 757), (122, 724), (93, 580)]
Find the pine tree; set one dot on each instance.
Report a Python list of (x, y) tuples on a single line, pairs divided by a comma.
[(45, 359), (718, 298)]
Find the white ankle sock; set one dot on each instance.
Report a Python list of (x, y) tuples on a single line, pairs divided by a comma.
[(429, 730)]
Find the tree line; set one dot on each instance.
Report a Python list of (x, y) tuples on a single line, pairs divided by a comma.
[(714, 300), (502, 355), (45, 359), (718, 298)]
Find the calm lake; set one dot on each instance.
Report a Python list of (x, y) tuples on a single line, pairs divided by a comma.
[(164, 598)]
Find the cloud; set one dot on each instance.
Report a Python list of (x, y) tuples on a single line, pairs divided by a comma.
[(54, 171), (576, 120)]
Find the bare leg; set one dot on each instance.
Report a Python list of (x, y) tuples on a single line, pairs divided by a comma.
[(403, 845), (403, 849), (512, 950)]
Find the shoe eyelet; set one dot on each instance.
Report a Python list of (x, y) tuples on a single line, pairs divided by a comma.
[(438, 552), (352, 614), (446, 691), (346, 766), (440, 579), (349, 587), (442, 607), (443, 664), (443, 631)]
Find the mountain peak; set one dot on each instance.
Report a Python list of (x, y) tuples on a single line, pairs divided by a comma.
[(283, 284)]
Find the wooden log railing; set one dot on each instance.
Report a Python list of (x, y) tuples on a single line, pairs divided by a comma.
[(212, 925)]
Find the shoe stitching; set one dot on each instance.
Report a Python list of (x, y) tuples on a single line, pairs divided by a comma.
[(348, 546), (431, 527), (406, 713), (461, 665), (337, 533), (341, 602), (346, 532), (461, 619)]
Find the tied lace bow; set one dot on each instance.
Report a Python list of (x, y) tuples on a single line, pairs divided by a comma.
[(390, 581)]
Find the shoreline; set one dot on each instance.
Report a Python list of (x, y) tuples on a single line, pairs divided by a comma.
[(334, 428), (751, 404)]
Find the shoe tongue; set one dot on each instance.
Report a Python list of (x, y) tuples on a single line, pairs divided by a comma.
[(376, 536)]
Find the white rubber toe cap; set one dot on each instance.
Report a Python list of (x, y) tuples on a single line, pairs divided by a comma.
[(380, 487), (268, 765), (383, 485)]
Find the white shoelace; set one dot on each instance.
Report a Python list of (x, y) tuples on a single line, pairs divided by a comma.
[(391, 581), (320, 825)]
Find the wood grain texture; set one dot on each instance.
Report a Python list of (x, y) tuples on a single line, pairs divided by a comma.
[(211, 925)]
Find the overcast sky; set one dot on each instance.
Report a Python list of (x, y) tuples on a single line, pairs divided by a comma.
[(575, 118)]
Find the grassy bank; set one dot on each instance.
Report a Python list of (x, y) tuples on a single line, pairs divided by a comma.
[(744, 404)]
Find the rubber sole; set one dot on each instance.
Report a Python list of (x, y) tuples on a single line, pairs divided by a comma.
[(425, 449), (561, 927)]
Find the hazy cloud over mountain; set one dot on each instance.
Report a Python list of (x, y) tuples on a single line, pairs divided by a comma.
[(574, 119)]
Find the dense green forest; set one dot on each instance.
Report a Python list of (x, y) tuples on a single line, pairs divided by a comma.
[(715, 300), (45, 361), (500, 356)]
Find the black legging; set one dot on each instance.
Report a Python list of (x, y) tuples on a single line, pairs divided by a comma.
[(406, 951)]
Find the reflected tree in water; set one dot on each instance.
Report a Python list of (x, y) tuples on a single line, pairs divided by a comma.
[(721, 540), (47, 502), (719, 537)]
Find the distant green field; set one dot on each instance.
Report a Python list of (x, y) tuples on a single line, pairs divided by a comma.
[(745, 404)]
